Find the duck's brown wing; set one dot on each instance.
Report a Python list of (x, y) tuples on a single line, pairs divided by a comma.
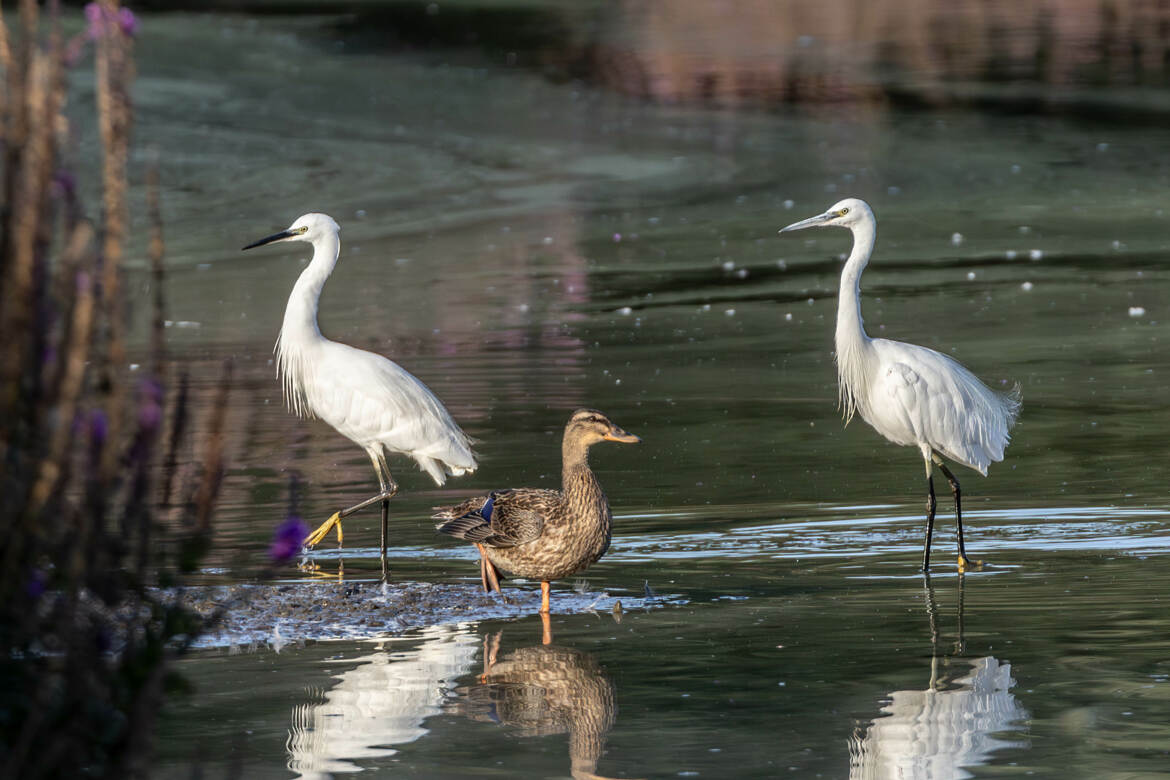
[(458, 510), (506, 518)]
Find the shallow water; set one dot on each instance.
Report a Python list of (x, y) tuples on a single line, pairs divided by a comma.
[(531, 234)]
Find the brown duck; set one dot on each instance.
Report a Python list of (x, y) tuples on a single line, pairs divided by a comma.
[(543, 534)]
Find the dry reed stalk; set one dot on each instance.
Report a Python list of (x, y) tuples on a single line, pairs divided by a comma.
[(85, 642), (114, 71)]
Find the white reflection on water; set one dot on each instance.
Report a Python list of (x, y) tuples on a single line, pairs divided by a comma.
[(382, 701), (935, 733)]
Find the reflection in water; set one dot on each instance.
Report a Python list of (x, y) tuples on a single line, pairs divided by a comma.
[(952, 724), (382, 701), (826, 52), (542, 690)]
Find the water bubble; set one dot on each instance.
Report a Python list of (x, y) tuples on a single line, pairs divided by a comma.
[(1010, 254), (625, 311), (1026, 287), (1025, 230), (727, 265), (1137, 311), (788, 317), (788, 204), (956, 239), (729, 312), (1036, 254), (1015, 169), (970, 275), (893, 190), (1102, 147), (782, 265)]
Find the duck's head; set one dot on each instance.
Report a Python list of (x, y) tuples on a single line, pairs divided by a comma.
[(589, 426), (308, 227)]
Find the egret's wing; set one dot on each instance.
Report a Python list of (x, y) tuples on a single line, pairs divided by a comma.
[(370, 398), (938, 401)]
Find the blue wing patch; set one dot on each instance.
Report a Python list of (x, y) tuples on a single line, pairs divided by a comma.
[(486, 510)]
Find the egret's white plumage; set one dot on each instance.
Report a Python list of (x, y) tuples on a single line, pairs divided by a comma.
[(912, 395), (367, 398)]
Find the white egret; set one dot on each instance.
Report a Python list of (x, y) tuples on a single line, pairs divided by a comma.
[(370, 400), (910, 394)]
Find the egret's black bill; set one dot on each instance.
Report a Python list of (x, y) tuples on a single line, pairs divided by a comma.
[(819, 219), (270, 239)]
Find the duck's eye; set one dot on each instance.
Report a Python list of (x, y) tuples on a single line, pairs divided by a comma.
[(844, 211)]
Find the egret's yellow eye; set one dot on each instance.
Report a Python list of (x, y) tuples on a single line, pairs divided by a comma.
[(303, 229), (844, 211)]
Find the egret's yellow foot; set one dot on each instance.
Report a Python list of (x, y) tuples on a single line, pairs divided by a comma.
[(315, 538), (967, 563)]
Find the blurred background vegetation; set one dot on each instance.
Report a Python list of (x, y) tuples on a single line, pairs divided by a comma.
[(95, 525)]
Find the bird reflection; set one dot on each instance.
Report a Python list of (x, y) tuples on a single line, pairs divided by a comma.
[(542, 690), (936, 732), (381, 701)]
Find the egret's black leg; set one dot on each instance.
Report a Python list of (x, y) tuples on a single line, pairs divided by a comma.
[(389, 490), (964, 561), (335, 519), (385, 524), (931, 504), (391, 487)]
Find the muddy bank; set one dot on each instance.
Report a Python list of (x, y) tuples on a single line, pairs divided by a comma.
[(259, 616)]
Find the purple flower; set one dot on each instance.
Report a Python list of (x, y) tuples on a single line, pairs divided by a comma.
[(103, 23), (127, 22), (99, 427), (35, 586), (150, 404), (286, 541)]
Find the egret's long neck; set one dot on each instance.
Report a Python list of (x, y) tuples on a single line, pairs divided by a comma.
[(852, 343), (300, 331), (300, 316)]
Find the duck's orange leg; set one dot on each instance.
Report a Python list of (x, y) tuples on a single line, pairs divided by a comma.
[(546, 629), (487, 571)]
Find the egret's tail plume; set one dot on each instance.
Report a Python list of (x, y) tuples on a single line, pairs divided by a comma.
[(1012, 401)]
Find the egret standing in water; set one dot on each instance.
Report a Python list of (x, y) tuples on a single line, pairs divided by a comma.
[(370, 400), (910, 394)]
